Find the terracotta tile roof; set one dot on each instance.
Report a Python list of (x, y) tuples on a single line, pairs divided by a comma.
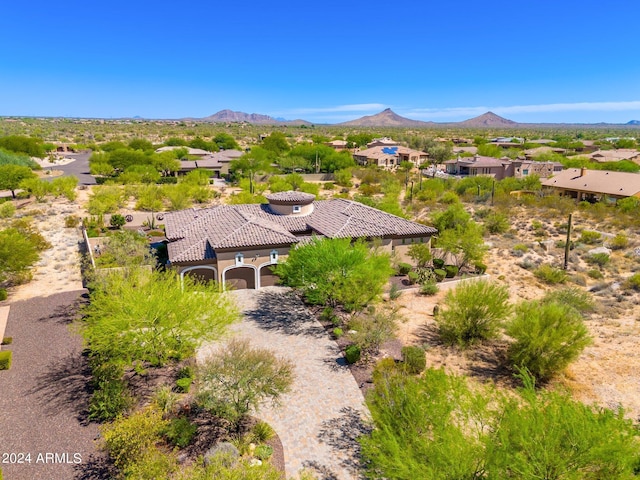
[(195, 234), (619, 184), (292, 197)]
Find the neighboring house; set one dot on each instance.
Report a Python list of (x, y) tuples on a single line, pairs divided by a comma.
[(500, 168), (390, 157), (601, 156), (594, 185), (240, 244), (217, 162), (531, 153), (382, 142), (338, 145), (196, 152)]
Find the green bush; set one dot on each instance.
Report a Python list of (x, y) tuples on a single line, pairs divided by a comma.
[(438, 263), (497, 223), (481, 268), (628, 205), (595, 274), (473, 311), (440, 274), (450, 271), (394, 292), (547, 337), (589, 237), (7, 340), (71, 221), (404, 268), (5, 359), (520, 247), (180, 432), (184, 384), (429, 288), (3, 294), (129, 439), (619, 242), (110, 400), (337, 332), (550, 275), (413, 277), (633, 282), (263, 452), (599, 259), (352, 354), (262, 432), (7, 209), (117, 220), (414, 359), (574, 297)]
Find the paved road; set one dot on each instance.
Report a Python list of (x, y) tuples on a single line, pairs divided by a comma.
[(79, 168), (320, 420), (44, 396)]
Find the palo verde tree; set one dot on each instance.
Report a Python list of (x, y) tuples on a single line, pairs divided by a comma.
[(337, 271), (142, 317), (11, 176), (251, 163)]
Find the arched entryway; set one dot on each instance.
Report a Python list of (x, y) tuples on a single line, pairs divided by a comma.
[(201, 273), (267, 277), (240, 278)]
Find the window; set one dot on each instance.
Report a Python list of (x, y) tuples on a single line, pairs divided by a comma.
[(274, 256), (239, 259), (297, 209)]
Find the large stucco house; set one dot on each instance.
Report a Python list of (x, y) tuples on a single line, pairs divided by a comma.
[(238, 245)]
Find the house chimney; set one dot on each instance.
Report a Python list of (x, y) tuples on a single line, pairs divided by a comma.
[(583, 171)]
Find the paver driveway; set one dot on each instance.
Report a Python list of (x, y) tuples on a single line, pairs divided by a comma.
[(319, 420)]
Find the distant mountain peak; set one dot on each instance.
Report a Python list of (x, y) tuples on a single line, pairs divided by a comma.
[(633, 122), (386, 118), (488, 119), (231, 116)]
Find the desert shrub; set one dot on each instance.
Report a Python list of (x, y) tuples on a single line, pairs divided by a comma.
[(262, 432), (595, 274), (263, 452), (420, 253), (404, 268), (180, 432), (3, 294), (352, 354), (413, 277), (337, 332), (576, 298), (449, 198), (619, 242), (578, 279), (438, 262), (7, 341), (328, 186), (628, 205), (547, 337), (429, 288), (497, 223), (440, 274), (474, 311), (633, 282), (425, 275), (5, 359), (117, 220), (599, 259), (550, 274), (184, 384), (7, 209), (165, 399), (239, 378), (519, 249), (372, 329), (71, 221), (480, 268), (128, 439), (589, 237), (110, 399), (394, 292), (414, 359), (450, 271)]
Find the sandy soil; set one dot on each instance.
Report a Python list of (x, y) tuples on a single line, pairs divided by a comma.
[(58, 269), (608, 371)]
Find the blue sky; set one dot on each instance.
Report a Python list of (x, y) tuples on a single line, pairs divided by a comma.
[(326, 62)]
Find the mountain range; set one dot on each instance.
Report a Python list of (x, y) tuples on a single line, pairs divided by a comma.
[(386, 118)]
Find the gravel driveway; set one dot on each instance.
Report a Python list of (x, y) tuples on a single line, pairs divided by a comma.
[(43, 397)]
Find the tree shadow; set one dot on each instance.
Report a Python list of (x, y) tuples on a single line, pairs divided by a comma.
[(285, 313), (96, 467), (67, 313), (65, 387), (488, 361), (342, 434), (321, 472)]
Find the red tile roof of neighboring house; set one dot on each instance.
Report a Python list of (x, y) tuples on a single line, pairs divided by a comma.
[(619, 184)]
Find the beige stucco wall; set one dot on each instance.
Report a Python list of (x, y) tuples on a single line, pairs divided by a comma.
[(288, 209)]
